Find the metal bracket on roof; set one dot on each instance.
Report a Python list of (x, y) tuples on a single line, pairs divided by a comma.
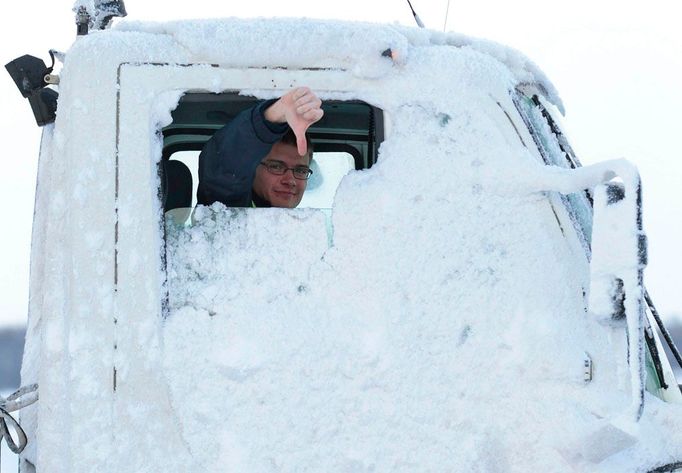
[(99, 16)]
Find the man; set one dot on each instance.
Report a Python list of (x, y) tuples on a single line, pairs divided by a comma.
[(262, 157)]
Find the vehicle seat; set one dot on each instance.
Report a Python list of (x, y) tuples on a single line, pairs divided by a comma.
[(176, 189)]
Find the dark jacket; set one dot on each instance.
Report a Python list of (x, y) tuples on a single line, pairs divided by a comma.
[(228, 162)]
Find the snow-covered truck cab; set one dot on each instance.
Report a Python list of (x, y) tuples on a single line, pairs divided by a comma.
[(457, 307)]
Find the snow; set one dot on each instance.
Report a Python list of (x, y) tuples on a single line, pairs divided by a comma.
[(396, 368), (358, 47), (438, 323), (9, 463)]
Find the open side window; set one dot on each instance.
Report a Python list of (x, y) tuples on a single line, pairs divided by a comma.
[(346, 138)]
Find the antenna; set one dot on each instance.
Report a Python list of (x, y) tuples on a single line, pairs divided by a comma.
[(416, 17), (447, 10)]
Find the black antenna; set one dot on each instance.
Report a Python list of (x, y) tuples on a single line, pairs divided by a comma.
[(416, 17)]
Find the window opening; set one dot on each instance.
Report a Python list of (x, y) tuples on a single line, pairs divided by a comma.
[(347, 138), (199, 115)]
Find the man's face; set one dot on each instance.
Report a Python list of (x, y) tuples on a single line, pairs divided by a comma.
[(285, 190)]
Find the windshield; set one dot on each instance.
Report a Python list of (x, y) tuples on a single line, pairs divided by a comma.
[(555, 151)]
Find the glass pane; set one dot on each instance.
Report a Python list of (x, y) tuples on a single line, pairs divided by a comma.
[(191, 160), (328, 170), (542, 133), (578, 204)]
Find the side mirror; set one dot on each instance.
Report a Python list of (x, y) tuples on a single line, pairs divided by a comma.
[(619, 255), (616, 293), (619, 250)]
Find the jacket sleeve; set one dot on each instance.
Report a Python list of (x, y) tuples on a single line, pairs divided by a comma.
[(228, 161)]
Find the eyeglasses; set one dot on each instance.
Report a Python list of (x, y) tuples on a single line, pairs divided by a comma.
[(278, 168)]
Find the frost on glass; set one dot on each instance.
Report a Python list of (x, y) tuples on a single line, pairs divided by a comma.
[(578, 205)]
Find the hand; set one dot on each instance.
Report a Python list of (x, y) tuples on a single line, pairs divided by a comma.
[(300, 108)]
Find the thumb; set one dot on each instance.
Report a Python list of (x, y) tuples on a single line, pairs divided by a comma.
[(301, 145), (301, 142)]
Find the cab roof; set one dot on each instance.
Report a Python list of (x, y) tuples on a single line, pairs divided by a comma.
[(368, 50)]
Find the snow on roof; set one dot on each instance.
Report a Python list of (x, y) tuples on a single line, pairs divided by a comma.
[(298, 43), (523, 69), (293, 43)]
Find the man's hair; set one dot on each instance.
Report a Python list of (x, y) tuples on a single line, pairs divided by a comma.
[(289, 138)]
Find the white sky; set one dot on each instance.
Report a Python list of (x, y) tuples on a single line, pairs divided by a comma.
[(616, 63)]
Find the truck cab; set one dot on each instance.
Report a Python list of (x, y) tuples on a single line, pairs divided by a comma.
[(456, 293)]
